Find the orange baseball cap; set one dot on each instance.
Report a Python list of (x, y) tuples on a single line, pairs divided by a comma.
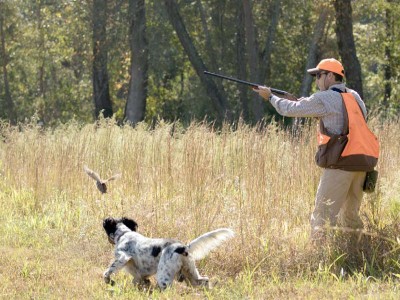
[(328, 64)]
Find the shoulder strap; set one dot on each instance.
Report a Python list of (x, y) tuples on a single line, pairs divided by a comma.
[(340, 91), (345, 117), (345, 114), (337, 90)]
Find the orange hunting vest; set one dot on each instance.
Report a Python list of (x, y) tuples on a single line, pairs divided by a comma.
[(355, 149)]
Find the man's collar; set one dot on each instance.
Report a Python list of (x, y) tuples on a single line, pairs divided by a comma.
[(339, 86)]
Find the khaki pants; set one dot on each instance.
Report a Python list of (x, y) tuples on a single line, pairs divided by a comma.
[(338, 200)]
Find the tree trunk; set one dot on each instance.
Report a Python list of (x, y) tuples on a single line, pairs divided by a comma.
[(241, 60), (207, 36), (101, 92), (257, 108), (41, 72), (220, 103), (312, 59), (265, 65), (347, 48), (260, 62), (388, 56), (313, 52), (211, 57), (136, 104), (9, 104)]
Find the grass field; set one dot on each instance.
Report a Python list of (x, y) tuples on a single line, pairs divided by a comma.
[(180, 182)]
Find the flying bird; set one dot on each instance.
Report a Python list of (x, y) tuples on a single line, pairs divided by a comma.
[(100, 183)]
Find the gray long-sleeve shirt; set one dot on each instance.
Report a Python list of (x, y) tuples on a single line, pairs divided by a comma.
[(326, 105)]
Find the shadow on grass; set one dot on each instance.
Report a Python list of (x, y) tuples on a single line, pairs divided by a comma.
[(371, 252)]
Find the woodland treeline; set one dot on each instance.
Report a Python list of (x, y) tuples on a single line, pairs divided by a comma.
[(141, 60)]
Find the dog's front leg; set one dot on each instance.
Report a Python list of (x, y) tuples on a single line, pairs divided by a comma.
[(117, 265), (138, 278)]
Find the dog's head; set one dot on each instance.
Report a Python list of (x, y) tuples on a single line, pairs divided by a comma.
[(110, 225)]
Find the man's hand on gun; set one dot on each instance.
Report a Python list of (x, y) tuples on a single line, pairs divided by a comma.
[(265, 92)]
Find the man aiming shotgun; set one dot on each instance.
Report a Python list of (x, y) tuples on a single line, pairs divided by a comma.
[(347, 151)]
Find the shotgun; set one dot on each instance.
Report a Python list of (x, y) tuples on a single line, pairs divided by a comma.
[(253, 85)]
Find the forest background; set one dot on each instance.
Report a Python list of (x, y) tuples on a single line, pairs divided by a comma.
[(144, 60)]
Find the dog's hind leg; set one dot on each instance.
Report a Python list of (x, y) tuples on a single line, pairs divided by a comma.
[(169, 265), (191, 274), (120, 262)]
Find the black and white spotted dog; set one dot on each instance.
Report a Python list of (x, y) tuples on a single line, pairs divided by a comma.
[(143, 257)]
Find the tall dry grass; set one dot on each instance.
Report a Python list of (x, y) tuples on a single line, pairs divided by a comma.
[(179, 182)]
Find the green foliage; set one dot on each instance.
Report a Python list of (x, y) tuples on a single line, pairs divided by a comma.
[(48, 49), (49, 71), (372, 37)]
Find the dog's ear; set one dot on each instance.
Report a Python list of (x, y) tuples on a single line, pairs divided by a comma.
[(131, 224), (110, 225)]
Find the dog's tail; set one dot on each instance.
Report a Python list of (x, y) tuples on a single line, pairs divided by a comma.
[(201, 246)]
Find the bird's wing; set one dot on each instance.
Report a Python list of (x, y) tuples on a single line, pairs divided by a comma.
[(116, 176), (92, 173)]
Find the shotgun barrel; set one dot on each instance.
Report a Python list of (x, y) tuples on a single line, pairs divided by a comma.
[(254, 85)]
